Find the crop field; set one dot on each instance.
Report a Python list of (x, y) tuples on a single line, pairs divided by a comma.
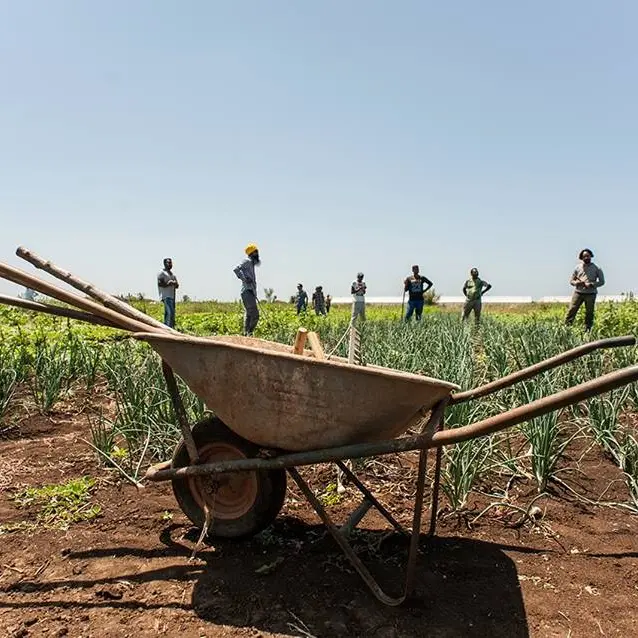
[(537, 525)]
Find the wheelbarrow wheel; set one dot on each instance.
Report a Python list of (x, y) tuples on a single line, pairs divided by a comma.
[(239, 503)]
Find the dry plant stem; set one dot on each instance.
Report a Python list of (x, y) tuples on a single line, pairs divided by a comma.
[(207, 523), (524, 511), (583, 499), (115, 464), (143, 454), (301, 627)]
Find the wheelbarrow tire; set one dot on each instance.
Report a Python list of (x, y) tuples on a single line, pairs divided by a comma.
[(243, 503)]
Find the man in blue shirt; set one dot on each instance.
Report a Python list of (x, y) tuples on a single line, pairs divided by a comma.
[(301, 299)]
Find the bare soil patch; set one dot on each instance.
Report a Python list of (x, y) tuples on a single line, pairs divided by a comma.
[(128, 572)]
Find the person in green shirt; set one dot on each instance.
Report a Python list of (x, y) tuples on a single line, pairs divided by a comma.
[(474, 288)]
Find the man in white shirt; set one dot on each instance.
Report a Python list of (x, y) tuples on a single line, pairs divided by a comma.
[(358, 290), (167, 284)]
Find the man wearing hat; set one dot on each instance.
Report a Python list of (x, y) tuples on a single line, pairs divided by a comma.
[(414, 286), (358, 290), (246, 273), (587, 278)]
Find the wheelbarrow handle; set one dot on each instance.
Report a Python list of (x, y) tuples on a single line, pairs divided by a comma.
[(551, 403), (538, 368)]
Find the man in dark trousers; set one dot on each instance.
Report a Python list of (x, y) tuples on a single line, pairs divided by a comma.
[(301, 299), (587, 278), (319, 301), (246, 273), (167, 284), (358, 290), (416, 286)]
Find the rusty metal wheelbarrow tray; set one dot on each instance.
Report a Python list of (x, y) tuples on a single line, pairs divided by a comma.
[(277, 399)]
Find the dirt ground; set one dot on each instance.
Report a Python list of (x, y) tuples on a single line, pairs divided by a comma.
[(129, 572)]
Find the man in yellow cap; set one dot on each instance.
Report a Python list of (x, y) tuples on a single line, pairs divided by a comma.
[(246, 273)]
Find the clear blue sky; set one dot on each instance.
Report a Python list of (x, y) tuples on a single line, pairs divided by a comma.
[(338, 135)]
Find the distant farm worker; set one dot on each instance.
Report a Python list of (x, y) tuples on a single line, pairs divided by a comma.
[(167, 284), (319, 301), (358, 291), (246, 273), (474, 289), (416, 285), (301, 299), (328, 302), (587, 278)]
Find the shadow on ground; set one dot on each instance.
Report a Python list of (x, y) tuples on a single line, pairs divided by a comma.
[(292, 579)]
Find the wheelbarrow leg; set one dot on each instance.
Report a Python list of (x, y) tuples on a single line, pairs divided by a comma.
[(340, 535), (180, 413), (345, 546), (416, 523), (359, 513), (356, 517), (435, 491)]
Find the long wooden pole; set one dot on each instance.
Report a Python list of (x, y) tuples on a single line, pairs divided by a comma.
[(55, 310), (89, 289), (24, 279)]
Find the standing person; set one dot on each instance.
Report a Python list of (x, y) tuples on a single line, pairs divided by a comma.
[(358, 290), (328, 302), (319, 301), (167, 284), (301, 299), (246, 273), (587, 278), (474, 289), (414, 286)]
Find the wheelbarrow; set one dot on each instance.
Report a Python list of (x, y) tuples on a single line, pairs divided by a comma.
[(229, 471)]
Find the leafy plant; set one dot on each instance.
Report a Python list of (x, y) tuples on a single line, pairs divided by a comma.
[(60, 505)]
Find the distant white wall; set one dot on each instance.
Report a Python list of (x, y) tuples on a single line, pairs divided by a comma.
[(488, 299)]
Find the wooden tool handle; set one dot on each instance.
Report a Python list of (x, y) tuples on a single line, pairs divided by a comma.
[(89, 289), (24, 279)]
